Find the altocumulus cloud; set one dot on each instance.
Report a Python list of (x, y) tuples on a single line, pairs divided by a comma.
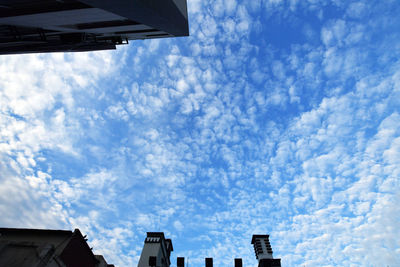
[(276, 117)]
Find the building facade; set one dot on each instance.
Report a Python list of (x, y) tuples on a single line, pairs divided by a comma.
[(46, 248), (156, 251), (32, 26)]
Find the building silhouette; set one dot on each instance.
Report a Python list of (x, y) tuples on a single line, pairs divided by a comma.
[(59, 248), (32, 26), (46, 248), (157, 251)]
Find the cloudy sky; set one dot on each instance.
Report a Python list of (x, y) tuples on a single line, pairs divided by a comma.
[(274, 116)]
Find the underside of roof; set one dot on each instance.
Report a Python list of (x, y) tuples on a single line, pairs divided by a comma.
[(86, 25)]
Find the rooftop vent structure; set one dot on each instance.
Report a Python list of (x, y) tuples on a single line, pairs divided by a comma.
[(263, 251)]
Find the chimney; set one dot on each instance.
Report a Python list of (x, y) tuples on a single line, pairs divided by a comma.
[(209, 262), (180, 262), (238, 262), (263, 251)]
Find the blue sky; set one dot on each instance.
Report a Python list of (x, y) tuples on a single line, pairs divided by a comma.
[(278, 117)]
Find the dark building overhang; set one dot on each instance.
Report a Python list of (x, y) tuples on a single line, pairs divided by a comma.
[(86, 25), (167, 15)]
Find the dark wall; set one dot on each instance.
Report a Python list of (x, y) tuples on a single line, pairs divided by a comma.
[(78, 254)]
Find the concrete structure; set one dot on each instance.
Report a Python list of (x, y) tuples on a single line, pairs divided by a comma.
[(156, 251), (31, 26), (46, 248), (263, 251)]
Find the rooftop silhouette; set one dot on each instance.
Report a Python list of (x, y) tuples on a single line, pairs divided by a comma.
[(37, 247)]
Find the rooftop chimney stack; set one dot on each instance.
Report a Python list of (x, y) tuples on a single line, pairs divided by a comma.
[(263, 251), (238, 262), (180, 262), (209, 262), (156, 251)]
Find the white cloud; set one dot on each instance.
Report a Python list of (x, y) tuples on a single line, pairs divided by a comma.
[(210, 143), (356, 9), (117, 112), (178, 226), (182, 86)]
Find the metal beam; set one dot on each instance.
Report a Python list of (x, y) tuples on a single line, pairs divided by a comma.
[(166, 15)]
